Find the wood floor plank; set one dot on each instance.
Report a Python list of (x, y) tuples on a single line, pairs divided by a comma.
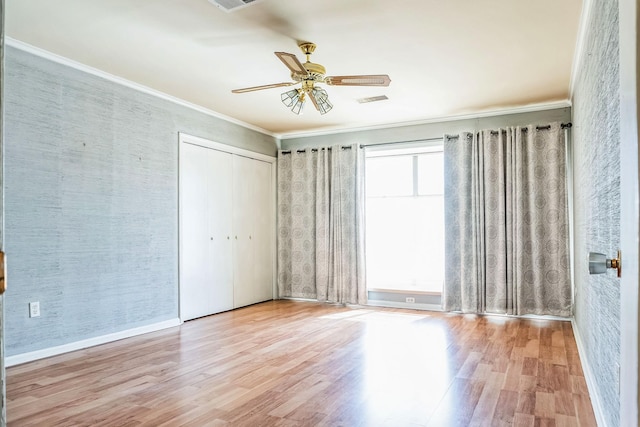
[(530, 366), (564, 403), (523, 420), (513, 373), (486, 406), (458, 404), (584, 410), (578, 385), (505, 407), (294, 363), (545, 405)]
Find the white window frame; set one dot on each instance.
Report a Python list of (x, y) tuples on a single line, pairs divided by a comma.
[(414, 149)]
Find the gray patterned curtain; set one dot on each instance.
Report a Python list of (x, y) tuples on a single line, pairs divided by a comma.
[(320, 224), (506, 222)]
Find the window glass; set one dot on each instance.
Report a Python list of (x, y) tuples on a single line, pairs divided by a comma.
[(430, 174), (405, 243), (389, 176)]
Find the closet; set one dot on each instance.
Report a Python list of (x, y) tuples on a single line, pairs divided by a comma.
[(227, 225)]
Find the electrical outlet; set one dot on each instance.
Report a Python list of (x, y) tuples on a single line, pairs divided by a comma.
[(410, 299), (34, 309)]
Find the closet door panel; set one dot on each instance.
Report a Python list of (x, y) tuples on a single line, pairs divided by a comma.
[(206, 281), (195, 268), (220, 229), (263, 233), (243, 181)]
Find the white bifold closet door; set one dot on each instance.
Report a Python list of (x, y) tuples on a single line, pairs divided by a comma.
[(206, 253), (226, 231)]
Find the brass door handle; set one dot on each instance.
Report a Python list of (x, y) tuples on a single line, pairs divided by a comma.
[(598, 263), (3, 268)]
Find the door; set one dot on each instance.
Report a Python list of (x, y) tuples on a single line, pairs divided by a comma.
[(263, 233), (206, 281), (252, 224)]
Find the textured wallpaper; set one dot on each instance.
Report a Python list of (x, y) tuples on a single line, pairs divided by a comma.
[(91, 199), (596, 141)]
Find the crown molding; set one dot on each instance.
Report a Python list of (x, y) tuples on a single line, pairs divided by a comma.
[(578, 52), (127, 83), (474, 115)]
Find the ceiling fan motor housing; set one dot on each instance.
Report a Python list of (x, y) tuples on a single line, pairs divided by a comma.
[(316, 73)]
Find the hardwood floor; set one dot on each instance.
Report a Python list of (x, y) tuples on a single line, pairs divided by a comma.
[(291, 363)]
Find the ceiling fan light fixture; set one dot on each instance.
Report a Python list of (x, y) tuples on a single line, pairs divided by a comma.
[(320, 93), (290, 97), (299, 104), (322, 100), (324, 106)]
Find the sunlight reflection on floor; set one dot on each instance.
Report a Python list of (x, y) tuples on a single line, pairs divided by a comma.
[(405, 366)]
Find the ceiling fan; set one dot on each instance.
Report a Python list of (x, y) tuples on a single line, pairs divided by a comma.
[(308, 74)]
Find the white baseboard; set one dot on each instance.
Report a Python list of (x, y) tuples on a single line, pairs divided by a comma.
[(79, 345), (409, 305), (301, 299), (596, 402)]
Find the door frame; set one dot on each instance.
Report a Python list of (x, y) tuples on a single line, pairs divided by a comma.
[(3, 377), (629, 212), (184, 138)]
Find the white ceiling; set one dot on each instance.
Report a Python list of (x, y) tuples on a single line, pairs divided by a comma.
[(444, 57)]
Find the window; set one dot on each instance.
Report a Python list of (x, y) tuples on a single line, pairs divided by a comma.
[(405, 220)]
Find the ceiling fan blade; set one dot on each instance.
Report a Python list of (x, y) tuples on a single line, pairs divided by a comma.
[(312, 96), (292, 63), (251, 89), (364, 80)]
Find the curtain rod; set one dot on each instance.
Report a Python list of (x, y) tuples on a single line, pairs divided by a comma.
[(313, 150), (348, 147), (401, 142), (524, 129)]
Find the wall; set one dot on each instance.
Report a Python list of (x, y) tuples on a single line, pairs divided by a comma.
[(596, 137), (91, 201)]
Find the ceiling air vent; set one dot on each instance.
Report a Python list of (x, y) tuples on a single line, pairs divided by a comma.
[(232, 5), (372, 99)]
